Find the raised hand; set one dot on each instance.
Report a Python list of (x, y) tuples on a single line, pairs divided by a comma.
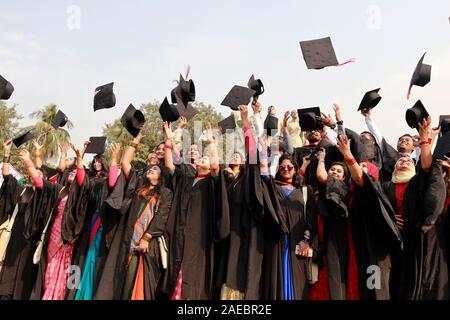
[(425, 131), (63, 148), (321, 154), (337, 112), (167, 129), (36, 145), (78, 152), (209, 133), (24, 155), (7, 147), (256, 106), (115, 151), (182, 123), (287, 116), (327, 120), (343, 146), (366, 112)]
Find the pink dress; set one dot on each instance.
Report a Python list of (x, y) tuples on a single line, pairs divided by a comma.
[(59, 256)]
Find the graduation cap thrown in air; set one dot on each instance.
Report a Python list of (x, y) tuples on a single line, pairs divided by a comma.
[(133, 120), (23, 138), (421, 76), (104, 97), (228, 123), (416, 114), (238, 96), (59, 120), (97, 145), (6, 89), (257, 85), (168, 111), (442, 147), (444, 123), (185, 92), (370, 100), (189, 112), (319, 54), (310, 119)]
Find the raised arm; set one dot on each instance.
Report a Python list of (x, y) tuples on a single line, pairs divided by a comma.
[(321, 173), (179, 131), (37, 154), (213, 154), (80, 166), (372, 126), (286, 136), (31, 169), (355, 170), (168, 157), (259, 126), (427, 136), (6, 154), (113, 168), (129, 153), (62, 160)]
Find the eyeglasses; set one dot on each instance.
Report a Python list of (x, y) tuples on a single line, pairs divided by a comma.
[(288, 167)]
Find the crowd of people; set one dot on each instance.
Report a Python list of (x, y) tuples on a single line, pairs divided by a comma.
[(314, 214)]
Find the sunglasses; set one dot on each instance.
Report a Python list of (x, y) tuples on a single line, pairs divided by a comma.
[(288, 167)]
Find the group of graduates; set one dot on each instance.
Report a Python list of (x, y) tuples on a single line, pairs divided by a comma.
[(344, 216)]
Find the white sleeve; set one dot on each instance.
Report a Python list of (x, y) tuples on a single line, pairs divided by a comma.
[(259, 127), (331, 136), (373, 128)]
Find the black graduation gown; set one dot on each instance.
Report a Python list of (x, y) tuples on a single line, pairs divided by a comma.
[(199, 218), (115, 270), (422, 270), (109, 203), (294, 220), (375, 234), (18, 274), (74, 203), (332, 206), (244, 249)]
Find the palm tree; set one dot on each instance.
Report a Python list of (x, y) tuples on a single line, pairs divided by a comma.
[(48, 137)]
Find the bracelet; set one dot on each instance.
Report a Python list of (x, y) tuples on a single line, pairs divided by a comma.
[(134, 145), (428, 141), (350, 161), (168, 146), (5, 159), (263, 156), (305, 238), (340, 122)]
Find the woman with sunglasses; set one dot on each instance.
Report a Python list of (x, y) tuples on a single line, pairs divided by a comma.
[(288, 231), (420, 270), (135, 263)]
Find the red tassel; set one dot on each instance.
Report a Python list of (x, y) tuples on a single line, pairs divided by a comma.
[(188, 69), (409, 92), (346, 62)]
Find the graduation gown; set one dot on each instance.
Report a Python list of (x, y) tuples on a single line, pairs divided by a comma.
[(18, 274), (95, 196), (243, 251), (291, 218), (74, 203), (422, 270), (375, 234), (115, 270), (199, 219)]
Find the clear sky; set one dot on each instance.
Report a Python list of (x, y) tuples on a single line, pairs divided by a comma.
[(60, 51)]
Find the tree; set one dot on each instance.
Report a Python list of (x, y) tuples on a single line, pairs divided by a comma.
[(9, 122), (48, 137), (116, 133)]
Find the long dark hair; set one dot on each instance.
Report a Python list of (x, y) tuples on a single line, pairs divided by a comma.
[(145, 189), (105, 167), (296, 181)]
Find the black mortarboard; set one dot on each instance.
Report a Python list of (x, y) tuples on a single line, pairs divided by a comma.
[(442, 147), (421, 75), (238, 96), (6, 89), (97, 145), (271, 123), (59, 120), (23, 137), (416, 114), (104, 97), (256, 85), (185, 91), (189, 112), (309, 119), (168, 111), (319, 53), (133, 120), (370, 100), (228, 123), (444, 123)]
